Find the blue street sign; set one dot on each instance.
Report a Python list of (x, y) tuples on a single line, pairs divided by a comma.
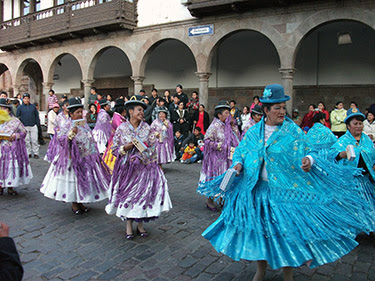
[(201, 30)]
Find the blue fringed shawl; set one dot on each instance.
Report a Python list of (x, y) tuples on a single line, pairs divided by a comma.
[(282, 156), (365, 148)]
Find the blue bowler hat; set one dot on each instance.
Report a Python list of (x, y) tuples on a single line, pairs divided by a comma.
[(355, 112), (274, 93)]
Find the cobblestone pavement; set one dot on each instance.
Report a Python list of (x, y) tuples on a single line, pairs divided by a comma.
[(55, 244)]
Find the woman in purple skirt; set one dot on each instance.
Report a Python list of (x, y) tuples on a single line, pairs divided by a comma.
[(78, 174), (15, 167), (62, 117), (103, 129), (165, 144), (138, 189), (221, 138)]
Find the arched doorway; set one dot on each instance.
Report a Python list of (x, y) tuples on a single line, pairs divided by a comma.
[(112, 72), (336, 62), (66, 76), (5, 79), (167, 63), (29, 79), (242, 63)]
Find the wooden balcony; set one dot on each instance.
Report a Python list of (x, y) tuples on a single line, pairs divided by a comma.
[(70, 20), (202, 8)]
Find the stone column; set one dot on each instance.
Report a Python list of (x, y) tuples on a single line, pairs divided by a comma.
[(16, 90), (32, 6), (287, 75), (87, 84), (47, 86), (203, 87), (1, 11), (138, 84)]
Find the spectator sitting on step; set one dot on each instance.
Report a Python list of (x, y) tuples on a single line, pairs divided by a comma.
[(189, 151), (195, 137), (178, 141)]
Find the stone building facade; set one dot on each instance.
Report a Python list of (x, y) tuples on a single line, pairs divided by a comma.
[(149, 43)]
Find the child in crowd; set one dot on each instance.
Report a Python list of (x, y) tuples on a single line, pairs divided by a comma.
[(188, 152), (178, 140)]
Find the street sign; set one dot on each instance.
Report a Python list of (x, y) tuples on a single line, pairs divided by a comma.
[(201, 30)]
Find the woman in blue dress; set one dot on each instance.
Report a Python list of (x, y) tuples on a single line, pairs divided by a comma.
[(319, 136), (278, 211), (364, 159)]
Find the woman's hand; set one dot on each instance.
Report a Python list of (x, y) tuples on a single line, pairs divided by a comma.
[(75, 130), (343, 154), (306, 164), (373, 167), (12, 137), (4, 230), (128, 146), (238, 168)]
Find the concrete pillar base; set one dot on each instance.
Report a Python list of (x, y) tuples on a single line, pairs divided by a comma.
[(287, 75), (203, 87), (138, 84), (16, 90), (87, 84), (47, 86)]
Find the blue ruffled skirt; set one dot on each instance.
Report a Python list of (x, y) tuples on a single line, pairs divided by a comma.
[(288, 228), (367, 192)]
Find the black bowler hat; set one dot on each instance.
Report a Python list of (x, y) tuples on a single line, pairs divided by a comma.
[(257, 110), (103, 102), (74, 102), (119, 102), (163, 110), (223, 104), (3, 103), (136, 100)]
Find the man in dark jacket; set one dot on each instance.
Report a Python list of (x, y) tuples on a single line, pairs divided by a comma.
[(29, 116), (183, 97), (148, 110), (154, 97), (197, 138), (174, 105), (10, 264), (236, 113)]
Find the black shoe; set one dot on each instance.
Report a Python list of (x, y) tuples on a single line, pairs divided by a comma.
[(76, 212), (142, 234), (36, 157)]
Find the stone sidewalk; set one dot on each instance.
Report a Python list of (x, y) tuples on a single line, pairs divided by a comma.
[(55, 244)]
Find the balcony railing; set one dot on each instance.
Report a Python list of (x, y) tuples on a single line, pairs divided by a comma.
[(69, 20), (201, 8)]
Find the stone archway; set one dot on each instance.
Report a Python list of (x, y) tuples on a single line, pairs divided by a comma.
[(110, 71), (169, 62), (66, 74), (29, 78), (5, 79), (330, 71), (242, 62)]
